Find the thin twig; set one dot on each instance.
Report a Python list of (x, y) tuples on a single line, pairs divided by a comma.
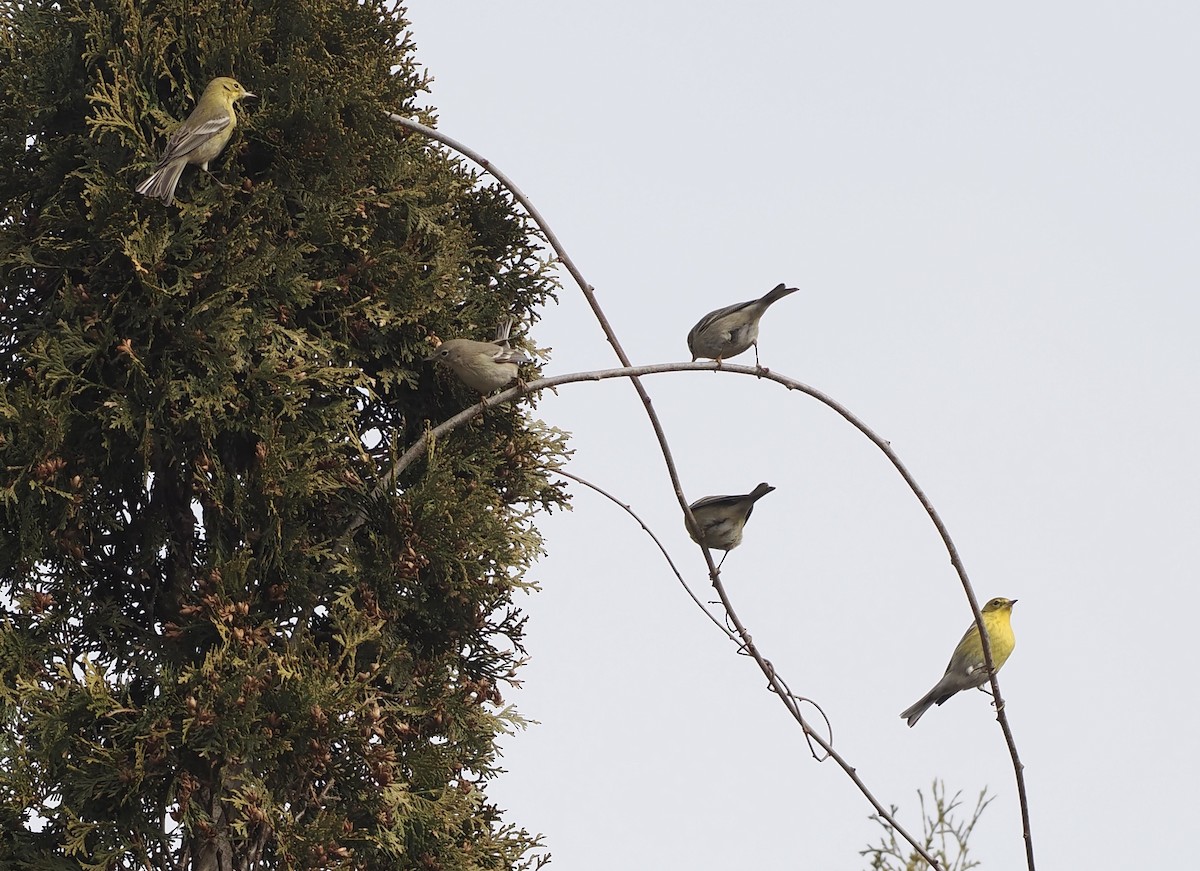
[(650, 532), (731, 635)]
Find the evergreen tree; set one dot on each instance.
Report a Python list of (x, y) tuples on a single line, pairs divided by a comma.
[(207, 660)]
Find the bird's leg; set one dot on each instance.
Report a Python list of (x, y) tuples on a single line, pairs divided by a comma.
[(983, 689), (219, 183), (757, 365)]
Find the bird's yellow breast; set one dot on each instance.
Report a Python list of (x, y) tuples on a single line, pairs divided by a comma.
[(1000, 634)]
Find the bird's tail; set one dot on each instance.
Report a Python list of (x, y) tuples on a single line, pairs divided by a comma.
[(509, 354), (503, 329), (778, 293), (760, 491), (914, 713), (161, 183)]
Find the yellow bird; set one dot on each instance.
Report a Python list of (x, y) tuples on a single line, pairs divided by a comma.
[(967, 669), (199, 139)]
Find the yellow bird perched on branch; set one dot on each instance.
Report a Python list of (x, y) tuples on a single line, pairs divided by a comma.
[(967, 669)]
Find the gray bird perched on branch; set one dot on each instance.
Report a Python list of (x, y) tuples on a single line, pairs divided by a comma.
[(199, 139), (482, 366), (722, 518), (729, 331)]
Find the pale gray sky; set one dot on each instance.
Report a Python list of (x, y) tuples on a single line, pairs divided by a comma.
[(992, 212)]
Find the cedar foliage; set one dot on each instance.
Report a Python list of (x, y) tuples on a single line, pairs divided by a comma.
[(199, 667)]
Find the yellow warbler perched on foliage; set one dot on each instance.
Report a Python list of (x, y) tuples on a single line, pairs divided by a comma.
[(967, 669), (199, 139)]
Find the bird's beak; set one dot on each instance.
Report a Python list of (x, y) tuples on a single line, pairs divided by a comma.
[(248, 94)]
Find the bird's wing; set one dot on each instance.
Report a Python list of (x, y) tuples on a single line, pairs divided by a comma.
[(709, 501), (188, 138), (510, 355), (964, 657), (712, 317)]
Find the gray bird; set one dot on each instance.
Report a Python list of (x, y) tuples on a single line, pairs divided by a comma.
[(729, 331), (722, 518), (482, 366)]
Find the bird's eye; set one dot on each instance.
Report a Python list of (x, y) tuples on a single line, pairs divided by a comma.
[(444, 352)]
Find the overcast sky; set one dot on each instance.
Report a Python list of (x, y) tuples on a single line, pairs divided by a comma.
[(992, 213)]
